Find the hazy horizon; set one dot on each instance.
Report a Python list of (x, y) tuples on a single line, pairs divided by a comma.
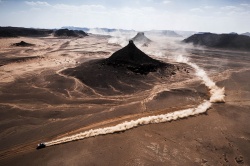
[(223, 16)]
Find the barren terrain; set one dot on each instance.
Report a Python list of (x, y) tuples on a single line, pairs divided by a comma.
[(39, 103)]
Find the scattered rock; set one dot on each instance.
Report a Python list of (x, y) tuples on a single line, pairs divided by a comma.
[(239, 160), (225, 158)]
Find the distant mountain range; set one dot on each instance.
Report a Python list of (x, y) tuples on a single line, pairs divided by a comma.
[(29, 32), (34, 32), (166, 33), (246, 34), (101, 31), (69, 33), (112, 31), (26, 32), (186, 33), (75, 28), (225, 41)]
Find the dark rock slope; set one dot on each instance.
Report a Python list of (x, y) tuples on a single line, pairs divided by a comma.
[(22, 44), (134, 59), (225, 41), (69, 33), (126, 71), (24, 32)]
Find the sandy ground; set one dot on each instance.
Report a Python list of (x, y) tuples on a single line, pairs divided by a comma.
[(38, 103)]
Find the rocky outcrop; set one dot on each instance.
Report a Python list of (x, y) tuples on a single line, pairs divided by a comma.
[(134, 59), (126, 71), (69, 33), (140, 38), (22, 44), (23, 32), (225, 41)]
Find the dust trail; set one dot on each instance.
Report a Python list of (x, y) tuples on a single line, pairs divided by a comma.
[(217, 94), (134, 123)]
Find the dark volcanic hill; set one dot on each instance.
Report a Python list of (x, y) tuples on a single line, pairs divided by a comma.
[(226, 41), (25, 32), (134, 59), (126, 71), (69, 33), (141, 39), (22, 44)]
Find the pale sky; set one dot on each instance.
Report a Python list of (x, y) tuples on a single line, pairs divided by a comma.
[(218, 16)]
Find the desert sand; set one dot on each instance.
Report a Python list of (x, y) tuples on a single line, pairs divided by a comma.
[(40, 103)]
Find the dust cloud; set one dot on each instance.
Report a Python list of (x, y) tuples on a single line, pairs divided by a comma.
[(134, 123), (216, 95)]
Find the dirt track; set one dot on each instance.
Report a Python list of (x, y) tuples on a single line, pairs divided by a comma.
[(38, 104)]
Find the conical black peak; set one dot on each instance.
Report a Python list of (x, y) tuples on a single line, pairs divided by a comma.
[(133, 58), (131, 42), (130, 54)]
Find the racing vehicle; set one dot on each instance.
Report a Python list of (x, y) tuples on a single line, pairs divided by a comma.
[(41, 145)]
